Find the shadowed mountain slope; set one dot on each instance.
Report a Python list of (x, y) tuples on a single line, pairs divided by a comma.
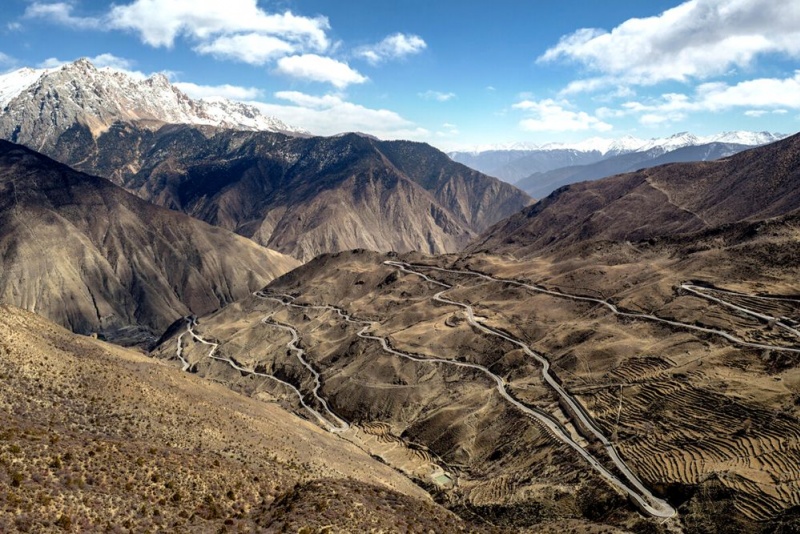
[(671, 199), (90, 256), (301, 196)]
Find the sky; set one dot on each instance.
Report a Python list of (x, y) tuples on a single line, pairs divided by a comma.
[(455, 73)]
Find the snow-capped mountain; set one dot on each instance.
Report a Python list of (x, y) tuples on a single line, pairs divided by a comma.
[(38, 105), (513, 162), (630, 143)]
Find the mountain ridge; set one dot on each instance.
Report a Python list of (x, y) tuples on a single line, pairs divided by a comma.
[(520, 161), (666, 200)]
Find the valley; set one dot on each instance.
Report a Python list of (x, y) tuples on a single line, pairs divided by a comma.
[(212, 320), (438, 317)]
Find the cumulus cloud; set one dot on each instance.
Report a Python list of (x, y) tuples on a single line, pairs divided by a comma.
[(331, 114), (551, 116), (252, 48), (319, 69), (396, 46), (759, 97), (695, 40), (61, 13), (159, 22), (436, 95), (231, 92), (233, 29)]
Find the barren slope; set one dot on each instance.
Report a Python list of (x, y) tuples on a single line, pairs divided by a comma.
[(90, 256), (300, 196), (666, 200), (94, 438)]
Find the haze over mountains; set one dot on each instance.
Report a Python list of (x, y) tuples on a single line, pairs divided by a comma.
[(539, 170), (758, 184)]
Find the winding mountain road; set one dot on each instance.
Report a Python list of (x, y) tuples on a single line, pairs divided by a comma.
[(638, 493), (613, 308), (636, 490), (341, 425), (700, 292), (191, 322)]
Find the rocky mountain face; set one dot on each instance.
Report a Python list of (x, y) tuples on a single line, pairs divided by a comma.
[(756, 184), (38, 106), (88, 255), (226, 164), (301, 196)]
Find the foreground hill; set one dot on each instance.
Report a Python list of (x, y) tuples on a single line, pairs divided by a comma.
[(96, 438), (710, 425), (90, 256), (668, 200)]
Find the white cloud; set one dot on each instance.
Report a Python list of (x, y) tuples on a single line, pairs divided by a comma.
[(319, 69), (233, 29), (551, 116), (396, 46), (695, 40), (61, 13), (449, 130), (5, 59), (252, 48), (159, 22), (13, 26), (759, 97), (331, 114), (231, 92), (112, 61), (436, 95)]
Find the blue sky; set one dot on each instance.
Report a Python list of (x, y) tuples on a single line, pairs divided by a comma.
[(452, 73)]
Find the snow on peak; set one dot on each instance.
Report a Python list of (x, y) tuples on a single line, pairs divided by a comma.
[(628, 143), (745, 138), (80, 92), (14, 83)]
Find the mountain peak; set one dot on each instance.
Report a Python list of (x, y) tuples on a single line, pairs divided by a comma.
[(81, 64), (80, 93)]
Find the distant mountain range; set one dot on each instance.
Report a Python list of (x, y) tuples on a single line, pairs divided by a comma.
[(753, 185), (540, 169)]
